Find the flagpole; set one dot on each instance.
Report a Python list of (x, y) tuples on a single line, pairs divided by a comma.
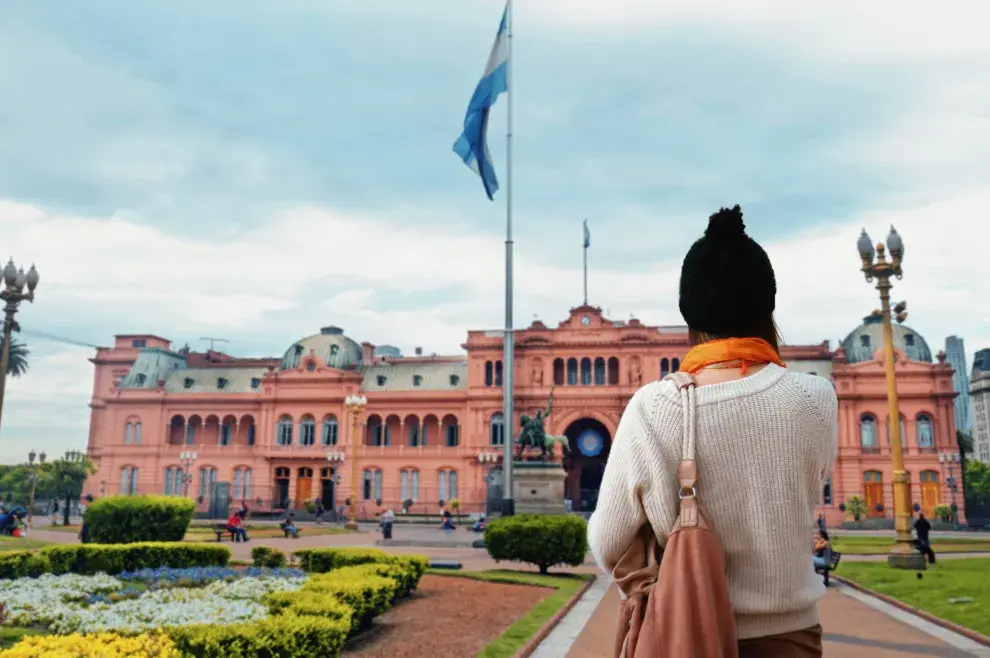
[(508, 340), (584, 242)]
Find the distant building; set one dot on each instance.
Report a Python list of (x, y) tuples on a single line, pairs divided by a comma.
[(955, 355), (979, 394)]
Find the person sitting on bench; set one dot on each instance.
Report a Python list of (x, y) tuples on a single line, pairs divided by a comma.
[(236, 528), (289, 527), (821, 550)]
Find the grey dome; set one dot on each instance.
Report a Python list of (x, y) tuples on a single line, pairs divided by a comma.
[(330, 344), (863, 342)]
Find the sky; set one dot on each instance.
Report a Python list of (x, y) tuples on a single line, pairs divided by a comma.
[(256, 170)]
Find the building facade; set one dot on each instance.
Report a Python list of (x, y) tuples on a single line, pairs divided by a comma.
[(275, 432), (955, 355), (979, 391)]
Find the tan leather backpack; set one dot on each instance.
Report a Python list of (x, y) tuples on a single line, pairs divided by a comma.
[(677, 603)]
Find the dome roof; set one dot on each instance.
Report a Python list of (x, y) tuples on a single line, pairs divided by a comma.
[(330, 344), (864, 341)]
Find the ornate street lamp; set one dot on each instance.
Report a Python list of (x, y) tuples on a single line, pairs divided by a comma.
[(950, 459), (15, 281), (187, 458), (35, 474), (903, 555), (355, 405)]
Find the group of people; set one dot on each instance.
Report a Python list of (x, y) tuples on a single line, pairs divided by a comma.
[(12, 520)]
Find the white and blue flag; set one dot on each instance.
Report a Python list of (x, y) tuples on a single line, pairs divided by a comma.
[(472, 145)]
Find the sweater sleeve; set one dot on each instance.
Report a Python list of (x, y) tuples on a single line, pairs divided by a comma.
[(619, 513)]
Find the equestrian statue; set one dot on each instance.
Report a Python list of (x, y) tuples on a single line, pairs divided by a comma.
[(533, 434)]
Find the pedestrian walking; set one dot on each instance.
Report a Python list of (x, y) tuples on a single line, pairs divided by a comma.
[(922, 528)]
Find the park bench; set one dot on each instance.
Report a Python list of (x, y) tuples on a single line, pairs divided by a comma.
[(833, 563), (220, 529), (286, 532)]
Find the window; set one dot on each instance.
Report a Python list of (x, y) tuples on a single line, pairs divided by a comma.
[(924, 431), (221, 383), (251, 433), (129, 480), (173, 481), (909, 340), (599, 371), (372, 480), (409, 481), (417, 380), (188, 382), (498, 373), (283, 433), (496, 431), (242, 484), (868, 432), (381, 379), (298, 349), (450, 434), (413, 435), (139, 342), (454, 380), (664, 368), (128, 434), (330, 431), (585, 371), (307, 431), (375, 431), (137, 434), (118, 380), (255, 382), (207, 478), (675, 364), (613, 371), (558, 372), (141, 378), (447, 481), (190, 434), (572, 372), (489, 373), (903, 432), (310, 366), (225, 433), (864, 341)]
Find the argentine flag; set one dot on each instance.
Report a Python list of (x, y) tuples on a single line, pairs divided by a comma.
[(472, 145)]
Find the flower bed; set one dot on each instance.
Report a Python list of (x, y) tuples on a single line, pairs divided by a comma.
[(208, 611)]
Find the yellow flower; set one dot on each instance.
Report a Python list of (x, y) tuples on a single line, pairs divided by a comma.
[(102, 645)]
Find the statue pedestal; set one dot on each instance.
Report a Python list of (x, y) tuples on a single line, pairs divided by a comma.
[(538, 487)]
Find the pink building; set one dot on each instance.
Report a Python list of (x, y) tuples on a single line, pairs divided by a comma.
[(275, 431)]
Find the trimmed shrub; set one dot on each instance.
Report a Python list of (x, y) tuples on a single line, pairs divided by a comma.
[(314, 604), (323, 560), (130, 519), (105, 645), (88, 559), (272, 558), (545, 541), (282, 636), (366, 595)]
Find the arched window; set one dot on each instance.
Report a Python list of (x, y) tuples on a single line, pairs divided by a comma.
[(207, 478), (376, 432), (496, 430), (925, 431), (307, 431), (372, 484), (868, 432), (498, 373), (558, 372), (585, 371), (283, 434), (242, 484), (132, 433), (599, 371), (489, 373), (173, 481), (572, 372), (664, 367), (330, 430), (226, 432), (447, 484), (675, 364), (409, 484), (129, 480), (450, 431), (613, 371)]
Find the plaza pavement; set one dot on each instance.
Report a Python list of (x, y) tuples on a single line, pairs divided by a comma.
[(855, 624)]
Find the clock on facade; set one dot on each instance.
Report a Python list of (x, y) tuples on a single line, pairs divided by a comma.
[(585, 320)]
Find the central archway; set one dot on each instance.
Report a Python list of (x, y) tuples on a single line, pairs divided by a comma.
[(590, 443)]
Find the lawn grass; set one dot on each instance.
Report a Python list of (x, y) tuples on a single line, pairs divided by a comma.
[(198, 533), (20, 544), (867, 545), (951, 579), (507, 644)]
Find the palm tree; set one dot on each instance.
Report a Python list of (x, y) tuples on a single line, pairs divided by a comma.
[(17, 363)]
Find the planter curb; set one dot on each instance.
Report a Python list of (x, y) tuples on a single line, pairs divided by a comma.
[(534, 641), (969, 633)]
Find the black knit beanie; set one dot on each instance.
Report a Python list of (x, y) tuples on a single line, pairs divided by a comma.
[(728, 287)]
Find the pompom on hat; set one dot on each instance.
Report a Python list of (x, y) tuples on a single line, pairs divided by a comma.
[(728, 288)]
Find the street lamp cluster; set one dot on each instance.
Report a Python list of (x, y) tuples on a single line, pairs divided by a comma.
[(18, 286), (949, 459), (187, 459), (876, 267), (35, 474)]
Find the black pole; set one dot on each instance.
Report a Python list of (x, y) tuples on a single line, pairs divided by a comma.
[(66, 510)]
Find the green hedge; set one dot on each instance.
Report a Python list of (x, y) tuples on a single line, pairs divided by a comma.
[(263, 556), (130, 519), (545, 541), (89, 559), (322, 560), (282, 636)]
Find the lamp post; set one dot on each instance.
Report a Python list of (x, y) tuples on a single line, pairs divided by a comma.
[(903, 555), (14, 283), (355, 405), (187, 458), (950, 459), (71, 457), (34, 481)]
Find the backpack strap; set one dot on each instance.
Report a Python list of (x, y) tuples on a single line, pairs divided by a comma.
[(687, 470)]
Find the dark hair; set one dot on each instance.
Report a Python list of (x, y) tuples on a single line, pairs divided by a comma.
[(823, 534), (727, 287)]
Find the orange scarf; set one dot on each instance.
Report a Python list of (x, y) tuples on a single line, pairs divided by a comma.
[(754, 351)]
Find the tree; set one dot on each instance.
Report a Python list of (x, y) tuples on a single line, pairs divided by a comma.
[(65, 478), (857, 507), (17, 363)]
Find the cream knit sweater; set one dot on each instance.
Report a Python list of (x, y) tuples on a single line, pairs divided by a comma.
[(764, 446)]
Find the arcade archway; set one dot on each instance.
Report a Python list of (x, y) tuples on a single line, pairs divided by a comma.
[(590, 442)]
